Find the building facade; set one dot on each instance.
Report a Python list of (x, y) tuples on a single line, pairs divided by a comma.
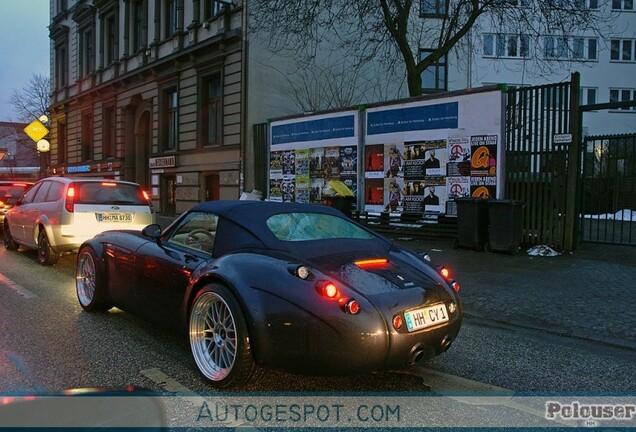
[(149, 91)]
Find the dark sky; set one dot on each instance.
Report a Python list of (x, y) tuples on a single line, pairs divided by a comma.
[(24, 47)]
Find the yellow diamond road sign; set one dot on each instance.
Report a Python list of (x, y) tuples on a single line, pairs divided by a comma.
[(36, 130)]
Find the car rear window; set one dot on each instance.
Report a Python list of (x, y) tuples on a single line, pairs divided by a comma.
[(314, 226), (108, 193), (12, 190)]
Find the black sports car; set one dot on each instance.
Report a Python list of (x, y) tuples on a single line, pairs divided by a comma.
[(298, 287)]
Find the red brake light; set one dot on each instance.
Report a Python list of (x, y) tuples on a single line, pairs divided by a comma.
[(328, 290), (20, 184), (70, 199), (1, 203), (370, 263), (455, 286), (145, 194), (109, 184), (352, 307), (397, 322)]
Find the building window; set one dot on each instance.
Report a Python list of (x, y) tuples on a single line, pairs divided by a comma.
[(211, 8), (110, 39), (586, 4), (623, 5), (61, 6), (569, 48), (137, 23), (434, 76), (61, 66), (212, 113), (87, 136), (587, 95), (171, 17), (433, 8), (61, 142), (518, 3), (623, 50), (109, 132), (623, 95), (87, 51), (170, 120), (506, 45)]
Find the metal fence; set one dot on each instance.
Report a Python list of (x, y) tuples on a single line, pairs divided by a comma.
[(608, 204), (536, 166)]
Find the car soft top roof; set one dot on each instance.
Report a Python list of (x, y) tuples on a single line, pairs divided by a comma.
[(253, 216)]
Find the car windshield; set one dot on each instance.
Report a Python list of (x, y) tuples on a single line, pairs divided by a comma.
[(314, 226), (108, 193), (12, 190)]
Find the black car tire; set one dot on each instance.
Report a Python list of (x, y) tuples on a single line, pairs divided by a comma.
[(90, 283), (219, 338), (46, 255), (9, 243)]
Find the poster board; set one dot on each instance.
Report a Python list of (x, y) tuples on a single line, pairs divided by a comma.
[(420, 156), (307, 152)]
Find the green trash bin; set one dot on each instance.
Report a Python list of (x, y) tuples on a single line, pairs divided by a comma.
[(505, 225), (472, 223)]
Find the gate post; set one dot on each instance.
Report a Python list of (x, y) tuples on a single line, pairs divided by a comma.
[(574, 162)]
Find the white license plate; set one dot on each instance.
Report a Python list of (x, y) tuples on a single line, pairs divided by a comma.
[(114, 217), (426, 317)]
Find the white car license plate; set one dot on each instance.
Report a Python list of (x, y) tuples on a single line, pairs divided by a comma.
[(426, 317), (114, 217)]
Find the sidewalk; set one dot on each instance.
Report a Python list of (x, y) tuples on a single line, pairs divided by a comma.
[(589, 294)]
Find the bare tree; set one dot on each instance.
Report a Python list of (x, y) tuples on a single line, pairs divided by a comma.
[(33, 99), (393, 31)]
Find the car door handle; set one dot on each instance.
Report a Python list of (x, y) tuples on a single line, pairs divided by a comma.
[(190, 258)]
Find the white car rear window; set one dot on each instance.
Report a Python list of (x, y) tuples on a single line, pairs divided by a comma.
[(109, 193)]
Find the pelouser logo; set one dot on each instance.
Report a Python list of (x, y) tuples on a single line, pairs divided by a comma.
[(583, 411)]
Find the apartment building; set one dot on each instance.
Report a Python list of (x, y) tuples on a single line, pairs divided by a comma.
[(150, 91)]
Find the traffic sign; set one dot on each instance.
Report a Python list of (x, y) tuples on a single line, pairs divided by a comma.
[(36, 130)]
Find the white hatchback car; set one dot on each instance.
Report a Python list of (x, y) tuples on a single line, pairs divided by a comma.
[(58, 214)]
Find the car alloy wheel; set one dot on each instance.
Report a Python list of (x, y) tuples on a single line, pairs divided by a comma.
[(46, 255), (218, 338), (88, 282)]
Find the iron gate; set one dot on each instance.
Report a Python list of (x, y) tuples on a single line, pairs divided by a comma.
[(608, 204), (536, 166)]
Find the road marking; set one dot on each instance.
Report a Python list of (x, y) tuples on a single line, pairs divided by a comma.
[(172, 385), (447, 383), (18, 289)]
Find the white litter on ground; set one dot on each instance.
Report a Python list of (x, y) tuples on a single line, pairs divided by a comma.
[(542, 250)]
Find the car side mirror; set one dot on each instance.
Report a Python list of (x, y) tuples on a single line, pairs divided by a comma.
[(154, 232)]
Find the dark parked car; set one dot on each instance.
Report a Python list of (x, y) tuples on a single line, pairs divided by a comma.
[(254, 284), (10, 189)]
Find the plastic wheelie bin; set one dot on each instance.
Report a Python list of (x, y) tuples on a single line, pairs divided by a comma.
[(505, 225), (472, 223)]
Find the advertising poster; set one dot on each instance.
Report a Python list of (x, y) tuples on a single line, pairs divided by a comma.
[(394, 194), (276, 165), (374, 159), (302, 162), (331, 163), (348, 161), (425, 159), (374, 192), (458, 150), (435, 195), (289, 162), (458, 187), (315, 162), (483, 187), (302, 189), (276, 189), (315, 190), (393, 160), (483, 160), (289, 188)]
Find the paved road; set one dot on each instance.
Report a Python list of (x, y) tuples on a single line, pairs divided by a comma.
[(48, 342)]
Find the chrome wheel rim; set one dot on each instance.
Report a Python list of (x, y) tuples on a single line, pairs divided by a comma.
[(85, 279), (213, 336)]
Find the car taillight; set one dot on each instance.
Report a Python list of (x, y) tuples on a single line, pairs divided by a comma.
[(455, 286), (147, 198), (397, 322), (372, 263), (1, 203), (110, 184), (352, 307), (70, 199), (328, 290), (444, 272)]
